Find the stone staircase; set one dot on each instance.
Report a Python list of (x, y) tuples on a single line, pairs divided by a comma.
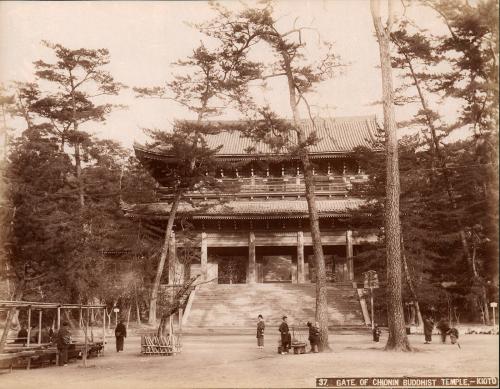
[(219, 307)]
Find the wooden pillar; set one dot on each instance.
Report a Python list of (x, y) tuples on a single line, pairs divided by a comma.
[(58, 318), (180, 321), (204, 256), (349, 255), (40, 326), (29, 326), (300, 257), (251, 258), (103, 329)]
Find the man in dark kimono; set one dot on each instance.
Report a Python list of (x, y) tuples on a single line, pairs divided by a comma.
[(22, 335), (443, 326), (63, 342), (120, 334), (285, 336), (428, 328), (313, 336), (260, 332)]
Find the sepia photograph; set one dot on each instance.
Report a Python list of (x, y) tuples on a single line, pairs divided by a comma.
[(249, 194)]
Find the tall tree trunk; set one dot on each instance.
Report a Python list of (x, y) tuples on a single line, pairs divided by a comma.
[(319, 261), (409, 281), (163, 257), (137, 308), (78, 163), (5, 135), (78, 171), (398, 339), (128, 314)]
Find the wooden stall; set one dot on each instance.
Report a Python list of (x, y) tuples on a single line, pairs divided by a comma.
[(23, 351)]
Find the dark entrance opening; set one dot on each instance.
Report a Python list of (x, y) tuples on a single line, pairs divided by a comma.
[(232, 270), (335, 264), (277, 268), (231, 262), (276, 263)]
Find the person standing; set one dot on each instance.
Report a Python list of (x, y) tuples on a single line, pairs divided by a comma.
[(63, 342), (285, 336), (428, 328), (260, 331), (443, 326), (22, 335), (313, 336), (120, 334), (376, 332)]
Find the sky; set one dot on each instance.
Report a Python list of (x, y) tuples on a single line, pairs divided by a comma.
[(145, 38)]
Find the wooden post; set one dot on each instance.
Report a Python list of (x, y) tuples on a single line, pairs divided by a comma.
[(40, 326), (204, 256), (180, 321), (29, 326), (349, 255), (103, 329), (300, 257), (91, 321), (58, 318), (251, 258), (80, 317), (85, 327), (371, 303)]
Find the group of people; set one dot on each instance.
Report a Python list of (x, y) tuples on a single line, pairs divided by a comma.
[(62, 339), (442, 325), (286, 338), (444, 328), (47, 335)]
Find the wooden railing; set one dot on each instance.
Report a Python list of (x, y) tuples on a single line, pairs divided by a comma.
[(290, 184)]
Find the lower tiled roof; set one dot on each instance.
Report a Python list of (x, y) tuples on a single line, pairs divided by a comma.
[(258, 209)]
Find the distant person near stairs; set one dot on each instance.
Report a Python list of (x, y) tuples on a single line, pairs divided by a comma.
[(260, 332)]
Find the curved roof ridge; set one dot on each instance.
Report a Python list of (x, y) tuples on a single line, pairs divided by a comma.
[(324, 118), (335, 135)]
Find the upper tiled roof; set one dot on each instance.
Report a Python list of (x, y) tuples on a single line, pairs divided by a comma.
[(248, 209), (336, 135)]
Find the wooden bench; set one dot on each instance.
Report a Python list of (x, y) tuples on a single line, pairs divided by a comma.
[(7, 361)]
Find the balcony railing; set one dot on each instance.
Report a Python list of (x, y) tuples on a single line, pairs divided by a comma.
[(273, 185), (285, 184)]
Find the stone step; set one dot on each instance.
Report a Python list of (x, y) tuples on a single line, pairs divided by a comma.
[(237, 305)]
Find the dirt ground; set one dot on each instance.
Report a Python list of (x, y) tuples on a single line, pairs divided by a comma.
[(235, 361)]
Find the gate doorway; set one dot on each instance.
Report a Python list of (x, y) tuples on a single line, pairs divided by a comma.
[(277, 268), (232, 270)]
